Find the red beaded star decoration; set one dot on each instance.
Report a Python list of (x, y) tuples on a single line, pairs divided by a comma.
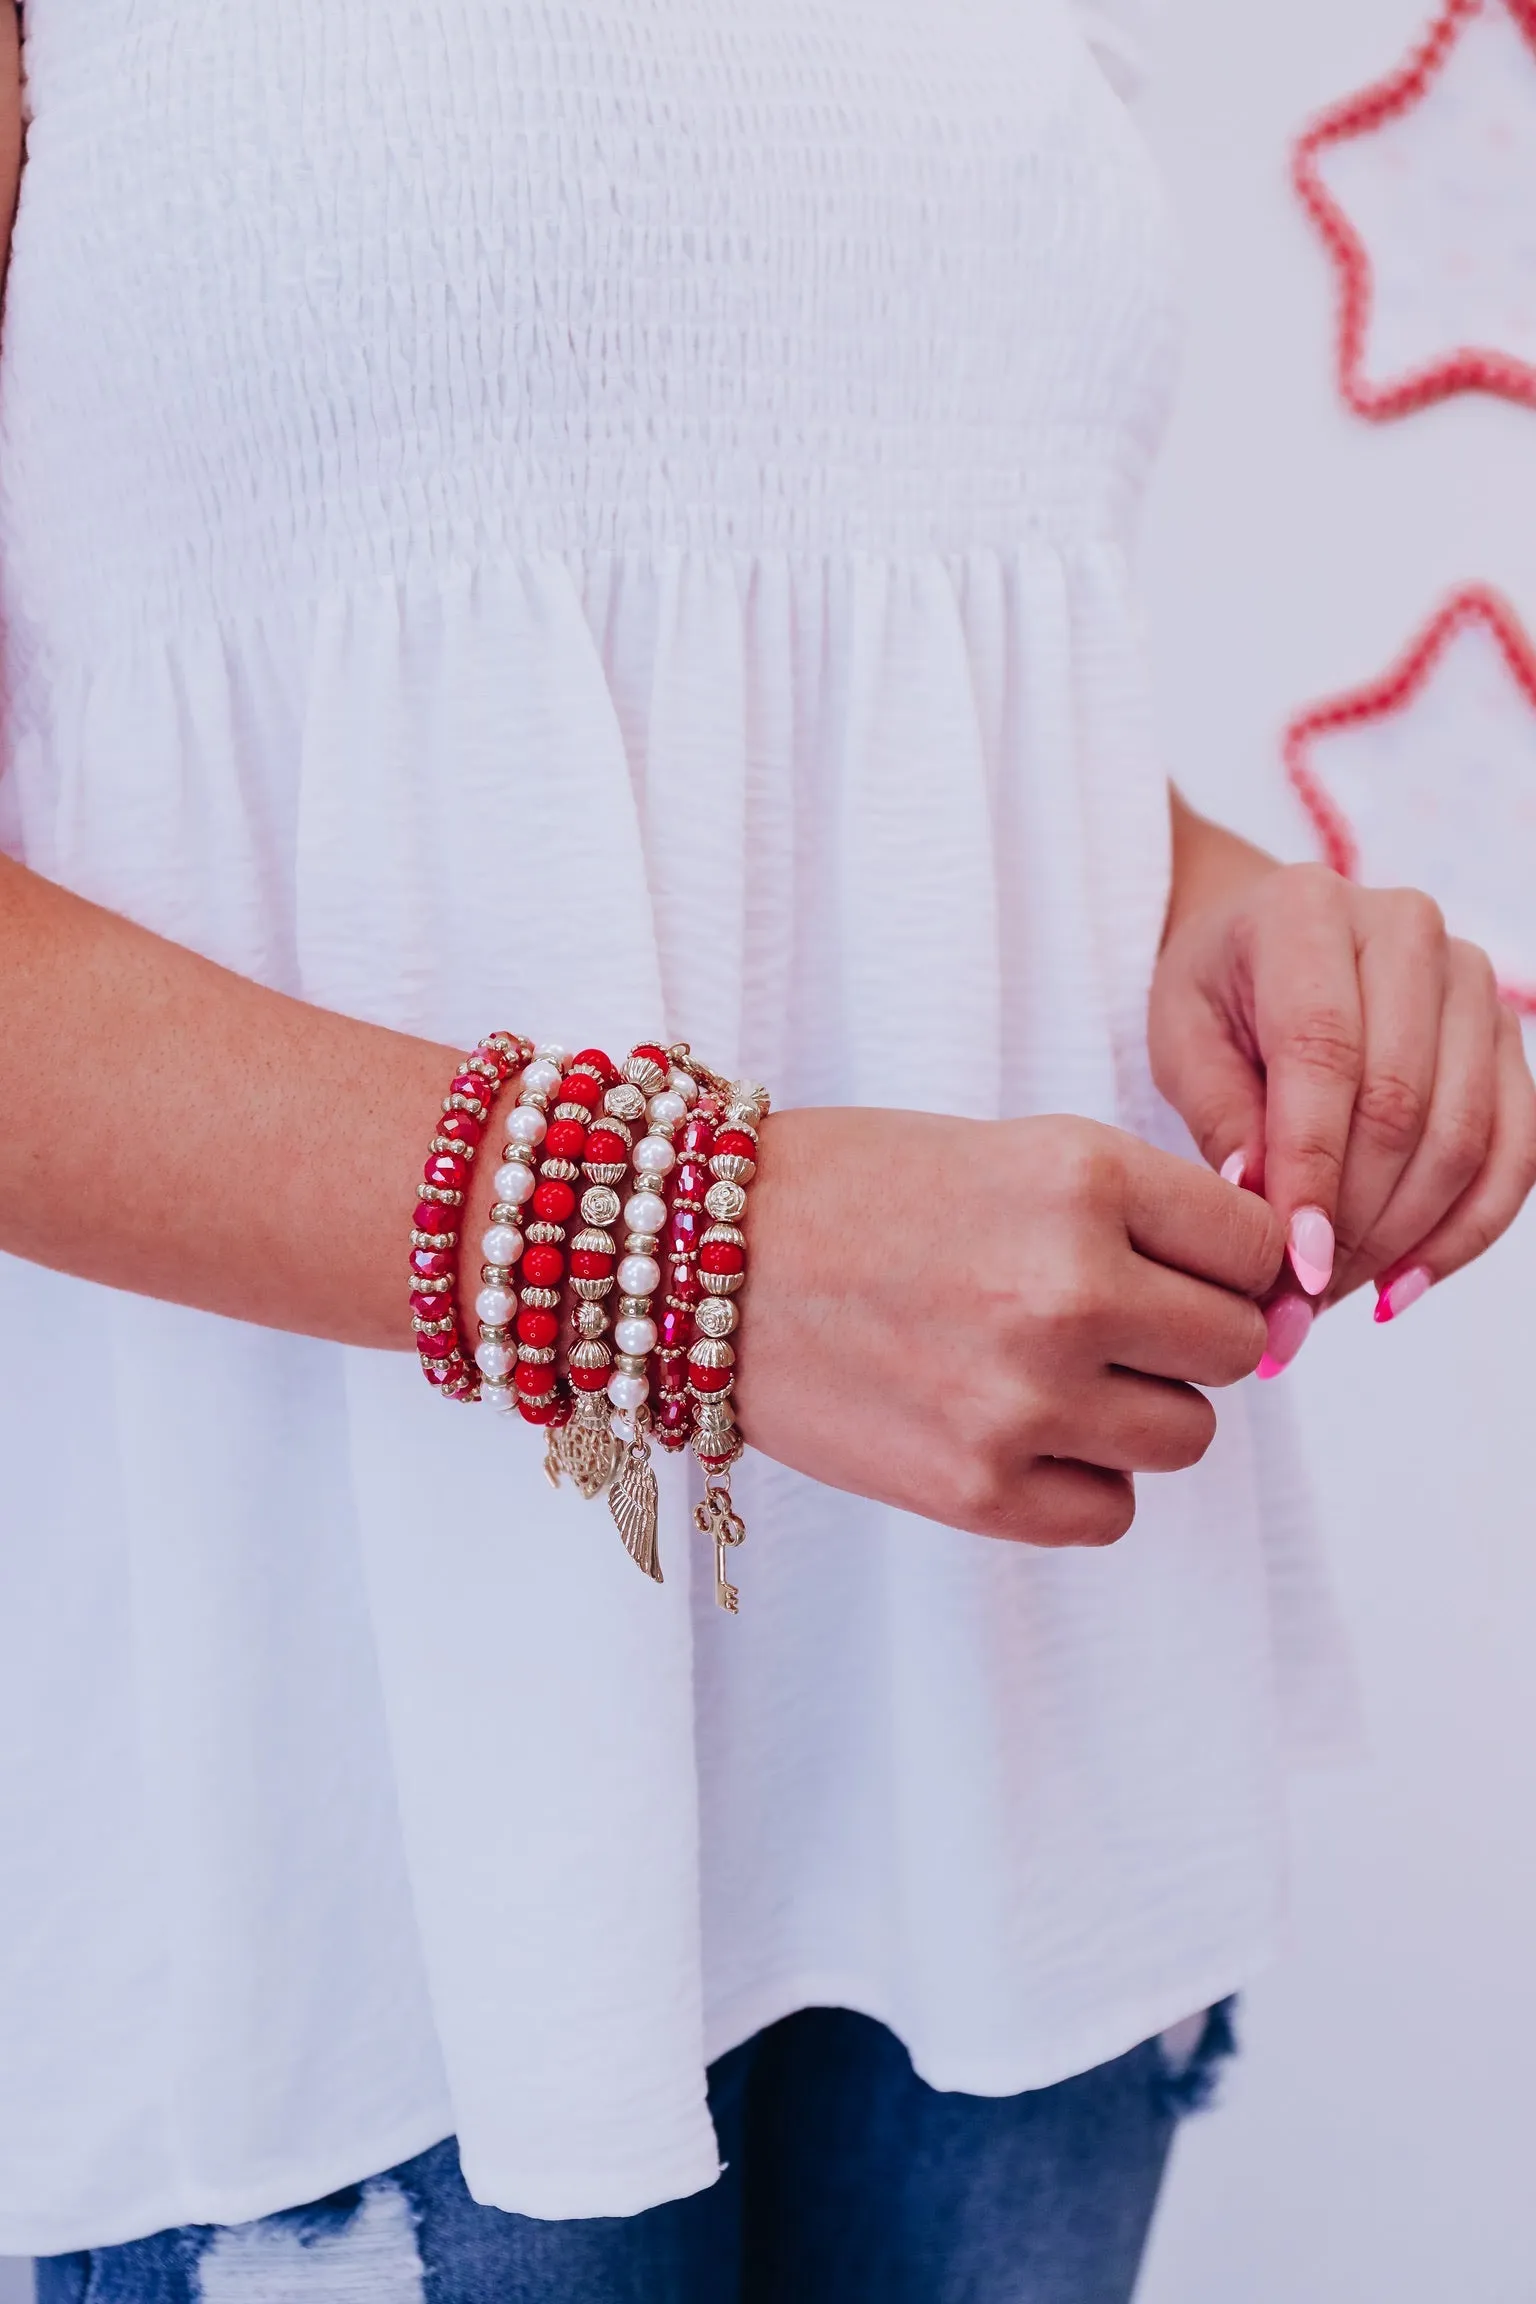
[(1449, 805), (1500, 140)]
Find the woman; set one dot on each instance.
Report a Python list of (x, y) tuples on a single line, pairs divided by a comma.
[(602, 518)]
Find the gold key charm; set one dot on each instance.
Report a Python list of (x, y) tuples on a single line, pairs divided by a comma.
[(717, 1517)]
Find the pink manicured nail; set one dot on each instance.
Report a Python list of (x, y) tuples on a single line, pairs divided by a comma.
[(1232, 1167), (1289, 1323), (1311, 1245), (1406, 1289)]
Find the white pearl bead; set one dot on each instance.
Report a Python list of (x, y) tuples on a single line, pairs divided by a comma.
[(639, 1276), (667, 1110), (494, 1360), (499, 1396), (683, 1084), (525, 1126), (622, 1428), (645, 1212), (495, 1306), (541, 1076), (628, 1391), (503, 1244), (552, 1053), (514, 1183), (654, 1156), (635, 1336)]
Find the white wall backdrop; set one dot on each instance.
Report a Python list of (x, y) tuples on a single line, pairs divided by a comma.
[(1378, 2135)]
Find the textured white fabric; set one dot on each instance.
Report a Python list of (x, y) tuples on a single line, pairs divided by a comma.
[(474, 473)]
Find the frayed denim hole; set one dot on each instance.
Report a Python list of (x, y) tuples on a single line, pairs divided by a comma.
[(1193, 2085)]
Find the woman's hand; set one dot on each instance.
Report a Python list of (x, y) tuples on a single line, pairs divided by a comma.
[(994, 1324), (1334, 1046)]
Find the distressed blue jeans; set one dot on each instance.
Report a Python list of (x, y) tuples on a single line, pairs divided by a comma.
[(847, 2181)]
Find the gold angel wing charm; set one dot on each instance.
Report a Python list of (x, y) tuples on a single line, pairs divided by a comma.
[(633, 1502)]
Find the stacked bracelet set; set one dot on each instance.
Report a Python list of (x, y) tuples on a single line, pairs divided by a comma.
[(666, 1148)]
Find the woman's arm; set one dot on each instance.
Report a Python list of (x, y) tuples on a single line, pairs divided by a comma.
[(172, 1129)]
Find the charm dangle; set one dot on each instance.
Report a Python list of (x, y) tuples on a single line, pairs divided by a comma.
[(585, 1449), (633, 1501), (718, 1519)]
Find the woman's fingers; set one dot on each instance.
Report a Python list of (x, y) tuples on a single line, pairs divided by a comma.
[(1490, 1205), (1458, 1131), (1143, 1424), (1309, 1025), (1063, 1502), (1403, 970), (1180, 1215), (1172, 1326)]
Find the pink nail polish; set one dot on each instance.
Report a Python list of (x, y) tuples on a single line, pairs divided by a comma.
[(1288, 1322), (1232, 1167), (1406, 1289), (1312, 1248)]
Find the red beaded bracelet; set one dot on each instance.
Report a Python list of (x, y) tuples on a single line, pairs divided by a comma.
[(722, 1268), (437, 1221)]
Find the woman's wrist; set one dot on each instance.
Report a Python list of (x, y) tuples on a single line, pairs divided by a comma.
[(1211, 866)]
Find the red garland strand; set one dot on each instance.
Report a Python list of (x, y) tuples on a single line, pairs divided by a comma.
[(1380, 699), (1471, 369)]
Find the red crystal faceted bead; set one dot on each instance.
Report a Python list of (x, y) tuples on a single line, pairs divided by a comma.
[(437, 1347), (432, 1216), (683, 1230), (719, 1256), (606, 1148), (674, 1374), (601, 1064), (693, 1179), (449, 1169), (590, 1379), (672, 1414), (578, 1088), (463, 1127), (675, 1329), (554, 1201), (683, 1282), (697, 1138), (432, 1263), (429, 1307), (542, 1267), (435, 1371), (472, 1084), (536, 1326), (587, 1264), (710, 1379), (565, 1140)]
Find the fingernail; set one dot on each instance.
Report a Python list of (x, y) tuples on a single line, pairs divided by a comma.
[(1232, 1168), (1406, 1289), (1288, 1324), (1311, 1244)]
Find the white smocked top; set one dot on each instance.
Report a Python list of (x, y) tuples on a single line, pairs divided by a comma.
[(588, 516)]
